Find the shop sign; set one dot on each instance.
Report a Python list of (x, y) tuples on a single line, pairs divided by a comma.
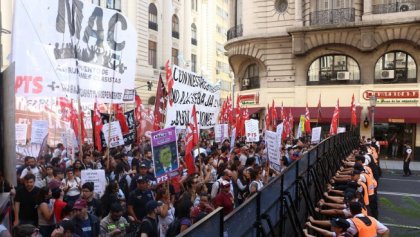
[(396, 97), (249, 99)]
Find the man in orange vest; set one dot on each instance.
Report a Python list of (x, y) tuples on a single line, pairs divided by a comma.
[(365, 226)]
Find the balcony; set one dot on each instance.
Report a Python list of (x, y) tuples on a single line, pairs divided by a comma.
[(234, 32), (333, 16), (194, 41), (408, 5), (153, 25), (175, 34)]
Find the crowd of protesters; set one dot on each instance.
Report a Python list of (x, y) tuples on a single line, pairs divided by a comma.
[(350, 206), (51, 200)]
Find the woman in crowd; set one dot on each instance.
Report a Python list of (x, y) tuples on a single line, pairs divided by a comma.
[(46, 220), (71, 186)]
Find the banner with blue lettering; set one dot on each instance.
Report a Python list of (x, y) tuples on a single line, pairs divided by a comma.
[(189, 89), (73, 48)]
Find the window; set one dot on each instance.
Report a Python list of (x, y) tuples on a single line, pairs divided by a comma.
[(334, 69), (193, 34), (251, 78), (225, 85), (96, 2), (153, 17), (194, 5), (152, 54), (114, 4), (175, 27), (222, 13), (193, 62), (337, 4), (396, 67), (175, 56)]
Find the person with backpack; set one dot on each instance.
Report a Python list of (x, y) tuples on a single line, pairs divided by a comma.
[(149, 224), (71, 187)]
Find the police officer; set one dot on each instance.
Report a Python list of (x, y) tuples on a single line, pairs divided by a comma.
[(365, 226)]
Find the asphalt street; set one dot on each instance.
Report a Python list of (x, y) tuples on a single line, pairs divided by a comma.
[(399, 203)]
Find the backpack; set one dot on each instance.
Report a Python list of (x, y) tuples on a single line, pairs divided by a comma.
[(174, 228)]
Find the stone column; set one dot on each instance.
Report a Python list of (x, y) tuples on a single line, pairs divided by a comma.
[(187, 34), (167, 12), (367, 7), (298, 13)]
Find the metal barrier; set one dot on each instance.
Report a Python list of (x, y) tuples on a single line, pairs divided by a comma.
[(282, 206)]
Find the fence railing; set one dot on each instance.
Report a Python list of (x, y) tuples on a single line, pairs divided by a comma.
[(282, 206), (333, 16), (407, 5), (234, 32)]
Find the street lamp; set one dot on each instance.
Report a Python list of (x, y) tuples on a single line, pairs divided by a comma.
[(372, 102)]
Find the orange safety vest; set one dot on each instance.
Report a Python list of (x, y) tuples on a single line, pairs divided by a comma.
[(365, 229), (369, 172), (370, 185), (365, 194)]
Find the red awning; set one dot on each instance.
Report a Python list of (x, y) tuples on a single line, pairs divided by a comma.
[(253, 110), (409, 114), (326, 113)]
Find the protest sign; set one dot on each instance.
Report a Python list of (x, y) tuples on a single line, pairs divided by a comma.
[(21, 130), (252, 130), (165, 154), (98, 179), (115, 137), (38, 131), (316, 135), (130, 137), (190, 88), (341, 130), (273, 150), (221, 132), (73, 48), (279, 130), (232, 139)]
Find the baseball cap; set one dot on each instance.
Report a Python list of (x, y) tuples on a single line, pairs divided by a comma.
[(80, 204), (143, 165), (152, 204), (142, 179), (340, 222)]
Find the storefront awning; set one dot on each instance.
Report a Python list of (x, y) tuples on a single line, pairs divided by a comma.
[(326, 113), (409, 114)]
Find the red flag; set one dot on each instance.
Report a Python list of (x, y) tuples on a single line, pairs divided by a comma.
[(335, 119), (353, 112), (290, 123), (169, 80), (274, 116), (82, 115), (307, 120), (282, 117), (65, 105), (245, 116), (74, 121), (97, 127), (194, 127), (319, 116), (159, 104), (119, 115), (268, 118), (238, 118), (223, 113), (285, 132)]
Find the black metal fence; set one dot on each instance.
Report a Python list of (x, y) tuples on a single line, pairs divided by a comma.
[(332, 16), (407, 5), (282, 206), (234, 32)]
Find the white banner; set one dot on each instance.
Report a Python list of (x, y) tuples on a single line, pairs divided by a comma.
[(98, 179), (38, 131), (279, 130), (71, 48), (341, 129), (21, 131), (221, 132), (316, 135), (190, 88), (252, 130), (273, 149), (115, 138)]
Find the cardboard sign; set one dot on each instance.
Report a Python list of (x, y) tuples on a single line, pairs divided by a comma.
[(273, 149), (98, 179), (39, 131), (252, 130), (316, 135), (114, 137), (21, 130), (165, 154), (341, 130), (221, 132)]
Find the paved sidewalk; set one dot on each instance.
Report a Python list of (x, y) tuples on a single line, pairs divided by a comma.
[(398, 165)]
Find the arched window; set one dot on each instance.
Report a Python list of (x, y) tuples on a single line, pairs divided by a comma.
[(251, 78), (396, 67), (153, 24), (175, 26), (333, 69), (193, 34)]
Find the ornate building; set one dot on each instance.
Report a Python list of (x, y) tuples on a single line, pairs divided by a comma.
[(294, 51)]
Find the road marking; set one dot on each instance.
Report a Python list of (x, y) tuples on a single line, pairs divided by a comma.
[(402, 226), (399, 194), (405, 180)]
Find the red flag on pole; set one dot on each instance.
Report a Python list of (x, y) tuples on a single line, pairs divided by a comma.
[(64, 104), (169, 81), (159, 104), (74, 120), (282, 117), (353, 112), (274, 116), (191, 139), (119, 115), (307, 121), (268, 118), (138, 117), (319, 116), (290, 134), (238, 118), (84, 133), (97, 126), (195, 129), (335, 119)]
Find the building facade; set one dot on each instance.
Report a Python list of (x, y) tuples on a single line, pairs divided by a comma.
[(297, 51), (189, 33)]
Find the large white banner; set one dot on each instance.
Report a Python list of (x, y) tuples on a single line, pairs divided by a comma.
[(39, 130), (190, 88), (72, 47), (273, 149), (252, 130), (221, 132)]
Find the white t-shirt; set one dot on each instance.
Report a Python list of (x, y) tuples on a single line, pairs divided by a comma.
[(73, 186), (38, 176)]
